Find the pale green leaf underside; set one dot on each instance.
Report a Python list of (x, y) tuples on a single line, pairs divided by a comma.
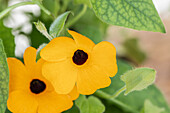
[(150, 108), (4, 79), (135, 14), (138, 79), (89, 105), (58, 24)]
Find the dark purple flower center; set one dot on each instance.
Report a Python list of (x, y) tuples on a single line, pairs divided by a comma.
[(37, 86), (80, 57)]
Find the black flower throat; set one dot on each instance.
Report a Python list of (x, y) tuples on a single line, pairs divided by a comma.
[(80, 57), (37, 86)]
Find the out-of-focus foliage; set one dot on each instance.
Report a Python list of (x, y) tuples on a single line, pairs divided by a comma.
[(8, 39), (3, 4), (87, 2), (150, 108), (133, 50)]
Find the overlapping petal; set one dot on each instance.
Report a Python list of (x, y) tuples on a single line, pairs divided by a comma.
[(62, 75), (74, 94), (58, 49), (104, 55), (90, 79)]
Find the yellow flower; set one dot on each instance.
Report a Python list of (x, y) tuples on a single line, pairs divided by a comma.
[(30, 92), (78, 62)]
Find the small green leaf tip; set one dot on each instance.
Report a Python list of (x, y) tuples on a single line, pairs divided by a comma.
[(138, 79), (58, 24), (42, 29)]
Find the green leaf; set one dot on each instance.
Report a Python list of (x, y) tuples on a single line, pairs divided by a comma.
[(83, 104), (95, 105), (42, 29), (135, 99), (4, 79), (138, 79), (90, 104), (57, 26), (135, 14), (150, 108), (8, 40), (133, 50), (87, 2)]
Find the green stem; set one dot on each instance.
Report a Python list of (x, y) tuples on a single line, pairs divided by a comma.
[(43, 8), (104, 95), (70, 23), (119, 92), (6, 11), (64, 6)]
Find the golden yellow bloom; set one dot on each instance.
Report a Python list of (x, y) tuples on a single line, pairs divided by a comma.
[(30, 92), (78, 62)]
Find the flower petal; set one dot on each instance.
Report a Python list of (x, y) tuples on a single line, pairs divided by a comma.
[(30, 57), (58, 49), (53, 103), (74, 93), (104, 55), (82, 42), (21, 102), (62, 75), (90, 79), (19, 77)]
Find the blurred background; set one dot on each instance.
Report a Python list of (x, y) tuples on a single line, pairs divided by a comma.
[(141, 48)]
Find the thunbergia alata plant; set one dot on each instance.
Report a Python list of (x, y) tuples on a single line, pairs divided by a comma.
[(69, 67)]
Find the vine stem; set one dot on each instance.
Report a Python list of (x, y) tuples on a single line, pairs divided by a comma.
[(44, 9), (70, 23), (106, 96), (7, 10), (118, 92)]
